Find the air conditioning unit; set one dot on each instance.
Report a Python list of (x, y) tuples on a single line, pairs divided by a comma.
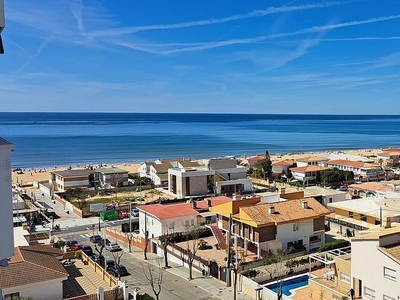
[(2, 24)]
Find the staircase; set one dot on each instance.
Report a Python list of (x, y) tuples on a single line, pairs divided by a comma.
[(218, 235)]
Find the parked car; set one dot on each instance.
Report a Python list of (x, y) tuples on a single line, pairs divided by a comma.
[(95, 238), (109, 264), (97, 258), (101, 242), (118, 270), (113, 247), (342, 188), (135, 212), (76, 247), (87, 250), (123, 214), (70, 243)]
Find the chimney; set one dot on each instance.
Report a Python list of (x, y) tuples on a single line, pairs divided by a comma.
[(209, 202), (304, 204), (271, 209), (283, 190), (387, 222), (194, 204)]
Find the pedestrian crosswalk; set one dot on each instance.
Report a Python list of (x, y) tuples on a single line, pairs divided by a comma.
[(77, 237)]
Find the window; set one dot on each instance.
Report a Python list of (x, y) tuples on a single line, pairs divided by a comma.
[(370, 293), (344, 277), (330, 200), (11, 296), (295, 226), (187, 223), (350, 214), (315, 239), (389, 273), (192, 222), (363, 217)]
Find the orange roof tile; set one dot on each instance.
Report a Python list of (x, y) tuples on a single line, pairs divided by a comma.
[(286, 162), (309, 169), (169, 211), (351, 163), (32, 264), (203, 204), (285, 212)]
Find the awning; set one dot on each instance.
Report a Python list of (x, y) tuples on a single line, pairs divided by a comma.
[(207, 214)]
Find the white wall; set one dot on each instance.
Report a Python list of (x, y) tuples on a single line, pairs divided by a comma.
[(367, 264), (6, 211), (47, 290), (157, 228), (286, 234)]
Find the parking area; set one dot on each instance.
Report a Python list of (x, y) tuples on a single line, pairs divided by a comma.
[(82, 280)]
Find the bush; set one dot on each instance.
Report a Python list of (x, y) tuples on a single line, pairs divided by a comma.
[(333, 245), (204, 246), (250, 273), (144, 296)]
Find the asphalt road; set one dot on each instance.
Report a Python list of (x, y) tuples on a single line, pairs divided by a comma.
[(173, 287)]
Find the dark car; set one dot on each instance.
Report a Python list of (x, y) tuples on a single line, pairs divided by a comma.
[(109, 264), (70, 243), (97, 258), (118, 270), (87, 250), (101, 242), (95, 238)]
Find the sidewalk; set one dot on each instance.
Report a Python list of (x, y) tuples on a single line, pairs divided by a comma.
[(210, 284)]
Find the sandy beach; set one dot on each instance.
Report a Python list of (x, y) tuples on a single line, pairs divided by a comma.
[(30, 175)]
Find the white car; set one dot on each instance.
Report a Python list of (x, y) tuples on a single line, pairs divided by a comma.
[(113, 247), (135, 212)]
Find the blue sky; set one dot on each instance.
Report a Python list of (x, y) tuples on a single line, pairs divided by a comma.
[(304, 56)]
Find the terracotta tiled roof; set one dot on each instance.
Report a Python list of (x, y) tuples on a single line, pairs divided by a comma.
[(286, 162), (256, 158), (393, 250), (32, 264), (373, 187), (312, 159), (285, 212), (389, 153), (162, 212), (350, 163), (203, 204), (309, 169)]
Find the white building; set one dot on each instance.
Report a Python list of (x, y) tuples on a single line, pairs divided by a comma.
[(160, 219), (6, 211), (324, 195), (34, 271), (375, 264)]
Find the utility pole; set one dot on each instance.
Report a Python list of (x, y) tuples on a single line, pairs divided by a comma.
[(228, 261), (130, 225)]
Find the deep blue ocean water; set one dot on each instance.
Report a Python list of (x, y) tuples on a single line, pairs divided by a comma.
[(50, 139)]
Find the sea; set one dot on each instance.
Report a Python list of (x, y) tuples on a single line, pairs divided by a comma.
[(76, 139)]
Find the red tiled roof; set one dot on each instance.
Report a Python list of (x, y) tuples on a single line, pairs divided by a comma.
[(286, 162), (309, 169), (203, 204), (162, 212), (351, 163), (32, 264)]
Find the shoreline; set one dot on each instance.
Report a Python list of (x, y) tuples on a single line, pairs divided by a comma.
[(30, 175), (242, 156)]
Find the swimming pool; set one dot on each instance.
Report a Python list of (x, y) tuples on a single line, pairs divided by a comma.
[(289, 284)]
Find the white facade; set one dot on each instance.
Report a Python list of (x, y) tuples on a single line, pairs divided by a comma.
[(47, 290), (6, 211), (188, 182), (64, 185), (377, 273), (296, 231), (157, 228)]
